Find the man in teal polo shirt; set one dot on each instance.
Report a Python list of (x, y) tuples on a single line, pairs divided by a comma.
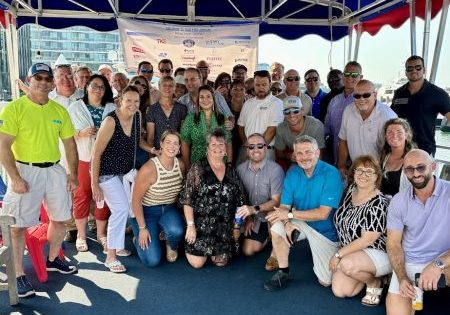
[(311, 192)]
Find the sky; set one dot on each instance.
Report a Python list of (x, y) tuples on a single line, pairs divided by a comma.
[(382, 56)]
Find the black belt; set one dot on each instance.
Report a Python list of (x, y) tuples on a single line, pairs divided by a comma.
[(41, 165)]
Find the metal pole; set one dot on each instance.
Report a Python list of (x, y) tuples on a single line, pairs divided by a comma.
[(440, 37), (426, 32), (350, 44), (412, 20), (358, 39), (13, 75)]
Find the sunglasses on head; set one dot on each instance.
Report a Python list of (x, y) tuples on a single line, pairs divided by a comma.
[(256, 146), (165, 70), (38, 77), (411, 68), (409, 170), (141, 84), (364, 95), (309, 80), (146, 70), (289, 111), (351, 74), (292, 79)]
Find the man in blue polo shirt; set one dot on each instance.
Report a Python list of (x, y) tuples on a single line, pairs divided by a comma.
[(311, 192), (313, 90)]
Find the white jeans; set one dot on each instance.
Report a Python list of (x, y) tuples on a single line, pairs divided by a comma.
[(118, 204)]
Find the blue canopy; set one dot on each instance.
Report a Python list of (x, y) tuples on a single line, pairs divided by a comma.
[(289, 19)]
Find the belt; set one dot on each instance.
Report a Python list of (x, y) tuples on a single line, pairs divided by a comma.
[(41, 165)]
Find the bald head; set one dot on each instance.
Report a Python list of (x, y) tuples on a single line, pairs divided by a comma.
[(418, 155), (366, 83)]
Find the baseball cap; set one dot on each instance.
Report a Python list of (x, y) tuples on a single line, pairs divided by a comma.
[(104, 66), (292, 102), (38, 68), (239, 66), (179, 79)]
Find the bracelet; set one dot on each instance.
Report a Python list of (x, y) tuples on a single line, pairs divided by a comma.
[(286, 222), (190, 223), (142, 227)]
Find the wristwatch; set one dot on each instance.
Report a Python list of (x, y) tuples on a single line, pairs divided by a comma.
[(257, 208), (439, 264), (290, 215)]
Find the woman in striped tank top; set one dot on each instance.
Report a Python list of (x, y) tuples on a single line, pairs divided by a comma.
[(154, 202)]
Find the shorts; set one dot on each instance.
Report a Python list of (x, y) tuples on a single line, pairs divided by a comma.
[(411, 270), (262, 234), (380, 259), (48, 185), (322, 248)]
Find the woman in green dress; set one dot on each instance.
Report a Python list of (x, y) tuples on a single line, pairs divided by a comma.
[(196, 126)]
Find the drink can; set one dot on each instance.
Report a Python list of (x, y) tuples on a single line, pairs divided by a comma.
[(417, 302), (100, 204), (238, 220)]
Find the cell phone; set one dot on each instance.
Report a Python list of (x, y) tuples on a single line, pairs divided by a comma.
[(294, 236), (441, 282)]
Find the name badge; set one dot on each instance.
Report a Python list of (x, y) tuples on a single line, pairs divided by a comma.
[(401, 101), (263, 108)]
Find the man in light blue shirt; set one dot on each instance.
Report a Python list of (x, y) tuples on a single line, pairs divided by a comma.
[(311, 192)]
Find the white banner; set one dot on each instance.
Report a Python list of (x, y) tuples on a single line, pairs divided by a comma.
[(222, 46)]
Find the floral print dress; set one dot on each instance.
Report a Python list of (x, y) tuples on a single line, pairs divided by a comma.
[(214, 203)]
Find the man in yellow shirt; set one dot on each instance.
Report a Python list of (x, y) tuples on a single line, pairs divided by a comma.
[(30, 128)]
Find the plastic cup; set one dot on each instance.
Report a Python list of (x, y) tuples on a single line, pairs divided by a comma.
[(100, 204), (417, 302)]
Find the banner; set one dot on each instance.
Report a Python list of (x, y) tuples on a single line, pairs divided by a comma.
[(221, 46)]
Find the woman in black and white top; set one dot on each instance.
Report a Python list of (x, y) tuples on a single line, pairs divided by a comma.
[(361, 225)]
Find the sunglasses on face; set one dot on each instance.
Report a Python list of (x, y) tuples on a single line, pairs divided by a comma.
[(368, 173), (292, 79), (416, 67), (289, 111), (146, 70), (313, 79), (165, 70), (144, 87), (47, 79), (364, 95), (276, 90), (409, 170), (351, 74), (256, 146)]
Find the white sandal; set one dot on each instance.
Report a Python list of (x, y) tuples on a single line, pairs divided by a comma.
[(372, 297), (81, 245)]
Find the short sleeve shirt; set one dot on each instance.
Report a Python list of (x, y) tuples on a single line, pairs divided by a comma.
[(36, 128), (313, 128), (425, 227), (96, 114), (316, 102), (323, 188)]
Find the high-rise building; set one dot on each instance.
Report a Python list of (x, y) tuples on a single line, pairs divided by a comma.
[(5, 89)]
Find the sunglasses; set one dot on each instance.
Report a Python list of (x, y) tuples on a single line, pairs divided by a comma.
[(409, 170), (352, 74), (411, 68), (276, 90), (165, 70), (364, 95), (47, 79), (146, 70), (143, 85), (289, 111), (368, 173), (309, 80), (292, 79), (256, 146)]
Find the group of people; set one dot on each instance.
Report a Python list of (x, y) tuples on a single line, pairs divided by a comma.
[(247, 161)]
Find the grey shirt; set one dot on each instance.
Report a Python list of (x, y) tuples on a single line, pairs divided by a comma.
[(313, 128), (260, 185)]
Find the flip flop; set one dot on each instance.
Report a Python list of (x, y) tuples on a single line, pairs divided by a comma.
[(81, 245), (115, 266), (171, 255), (123, 252)]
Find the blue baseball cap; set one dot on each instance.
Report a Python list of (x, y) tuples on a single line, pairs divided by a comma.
[(38, 68)]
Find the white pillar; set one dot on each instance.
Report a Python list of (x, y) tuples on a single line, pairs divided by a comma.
[(350, 43), (412, 24), (12, 52), (358, 40), (440, 38), (426, 32)]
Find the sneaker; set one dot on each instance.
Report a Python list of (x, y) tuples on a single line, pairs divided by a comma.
[(71, 236), (24, 287), (278, 281), (61, 266)]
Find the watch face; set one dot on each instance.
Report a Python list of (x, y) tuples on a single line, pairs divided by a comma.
[(290, 215), (439, 263)]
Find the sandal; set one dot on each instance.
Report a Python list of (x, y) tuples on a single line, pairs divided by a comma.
[(115, 266), (171, 255), (220, 260), (103, 240), (372, 297), (123, 252), (271, 264), (81, 245)]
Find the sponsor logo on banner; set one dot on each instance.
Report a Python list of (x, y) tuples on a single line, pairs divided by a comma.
[(189, 43), (214, 58), (137, 49), (189, 51), (161, 40), (241, 60), (162, 55), (242, 42), (214, 43), (188, 58)]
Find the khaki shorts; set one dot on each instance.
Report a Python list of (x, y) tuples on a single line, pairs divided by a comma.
[(322, 248), (48, 185)]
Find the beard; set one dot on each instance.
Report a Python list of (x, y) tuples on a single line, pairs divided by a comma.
[(262, 94), (426, 179)]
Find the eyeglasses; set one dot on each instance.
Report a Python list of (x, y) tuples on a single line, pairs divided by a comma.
[(411, 68), (309, 80), (146, 70), (354, 75), (256, 146), (143, 85), (97, 87), (364, 95), (369, 172), (289, 111), (421, 168), (292, 79), (165, 70), (47, 79), (224, 82)]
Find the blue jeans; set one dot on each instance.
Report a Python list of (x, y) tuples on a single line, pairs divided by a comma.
[(157, 218)]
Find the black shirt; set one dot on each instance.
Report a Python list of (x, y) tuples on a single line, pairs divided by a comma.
[(421, 110), (325, 101)]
